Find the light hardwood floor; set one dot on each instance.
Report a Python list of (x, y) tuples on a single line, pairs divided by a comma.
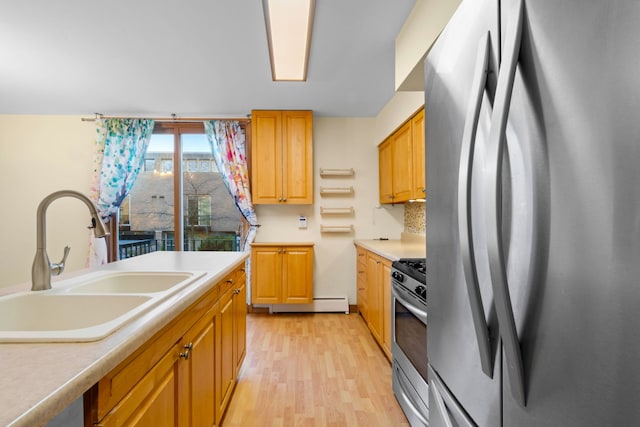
[(313, 370)]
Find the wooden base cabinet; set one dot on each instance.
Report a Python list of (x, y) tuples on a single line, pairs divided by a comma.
[(232, 334), (376, 285), (282, 273), (178, 376), (361, 274)]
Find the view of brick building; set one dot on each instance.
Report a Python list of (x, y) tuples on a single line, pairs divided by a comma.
[(210, 217)]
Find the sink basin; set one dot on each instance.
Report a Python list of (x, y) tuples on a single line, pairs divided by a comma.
[(134, 282), (51, 317), (87, 307)]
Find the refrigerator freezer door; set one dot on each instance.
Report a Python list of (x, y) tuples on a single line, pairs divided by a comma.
[(452, 341), (575, 105)]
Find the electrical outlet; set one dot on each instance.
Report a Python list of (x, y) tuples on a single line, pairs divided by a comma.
[(302, 221)]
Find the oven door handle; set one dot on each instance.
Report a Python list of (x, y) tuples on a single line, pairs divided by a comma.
[(465, 230), (402, 388), (420, 314)]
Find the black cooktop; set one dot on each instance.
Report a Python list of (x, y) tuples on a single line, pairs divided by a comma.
[(413, 267)]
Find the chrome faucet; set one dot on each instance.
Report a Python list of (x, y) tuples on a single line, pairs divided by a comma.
[(42, 268)]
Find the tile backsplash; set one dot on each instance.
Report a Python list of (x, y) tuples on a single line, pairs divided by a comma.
[(415, 218)]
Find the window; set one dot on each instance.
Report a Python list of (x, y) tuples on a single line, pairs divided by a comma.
[(124, 213), (199, 210), (181, 201)]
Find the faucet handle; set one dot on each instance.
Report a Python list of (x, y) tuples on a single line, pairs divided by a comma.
[(57, 269)]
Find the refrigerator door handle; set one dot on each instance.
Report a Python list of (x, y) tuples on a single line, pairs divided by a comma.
[(465, 230), (493, 175), (446, 404), (439, 403)]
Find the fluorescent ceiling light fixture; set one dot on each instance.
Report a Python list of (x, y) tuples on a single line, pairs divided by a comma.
[(289, 24)]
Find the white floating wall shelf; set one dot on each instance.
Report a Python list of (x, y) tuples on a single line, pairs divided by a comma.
[(337, 191), (337, 172), (336, 228), (337, 211)]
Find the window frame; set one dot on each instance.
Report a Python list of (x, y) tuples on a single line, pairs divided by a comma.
[(178, 128)]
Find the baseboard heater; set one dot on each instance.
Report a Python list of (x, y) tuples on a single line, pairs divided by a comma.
[(319, 305)]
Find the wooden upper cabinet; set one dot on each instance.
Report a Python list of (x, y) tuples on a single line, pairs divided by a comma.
[(417, 130), (401, 162), (266, 157), (282, 157), (385, 160)]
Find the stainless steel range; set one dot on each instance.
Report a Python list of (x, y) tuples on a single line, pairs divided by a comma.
[(409, 338)]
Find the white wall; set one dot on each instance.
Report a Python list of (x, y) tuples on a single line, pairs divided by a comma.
[(40, 155), (399, 108), (421, 29), (343, 143), (43, 154)]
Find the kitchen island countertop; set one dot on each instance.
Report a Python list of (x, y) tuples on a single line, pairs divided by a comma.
[(39, 380)]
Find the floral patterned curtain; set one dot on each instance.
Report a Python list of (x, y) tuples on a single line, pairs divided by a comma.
[(121, 145), (228, 148)]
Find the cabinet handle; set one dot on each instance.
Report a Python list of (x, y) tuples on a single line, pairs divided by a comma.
[(230, 281), (186, 354)]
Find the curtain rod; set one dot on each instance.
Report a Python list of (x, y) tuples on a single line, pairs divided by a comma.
[(172, 119)]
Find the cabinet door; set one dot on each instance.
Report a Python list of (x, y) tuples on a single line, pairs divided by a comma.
[(402, 164), (297, 282), (374, 295), (154, 400), (198, 372), (240, 323), (225, 366), (266, 157), (417, 130), (297, 151), (385, 163), (386, 306), (361, 274), (266, 275)]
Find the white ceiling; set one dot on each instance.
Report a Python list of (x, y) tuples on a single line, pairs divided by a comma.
[(190, 57)]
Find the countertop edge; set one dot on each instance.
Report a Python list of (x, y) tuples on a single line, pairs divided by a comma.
[(394, 249)]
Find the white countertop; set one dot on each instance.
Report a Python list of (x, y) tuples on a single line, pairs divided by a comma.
[(39, 380), (408, 246)]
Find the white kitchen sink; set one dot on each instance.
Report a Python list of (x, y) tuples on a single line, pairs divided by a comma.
[(48, 317), (87, 307), (134, 282)]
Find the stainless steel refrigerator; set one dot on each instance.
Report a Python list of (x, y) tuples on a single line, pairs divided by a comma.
[(532, 112)]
